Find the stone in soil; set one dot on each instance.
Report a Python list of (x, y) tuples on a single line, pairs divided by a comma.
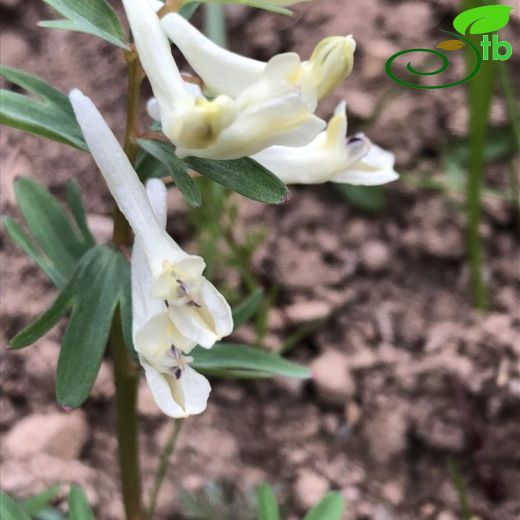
[(332, 379), (61, 435)]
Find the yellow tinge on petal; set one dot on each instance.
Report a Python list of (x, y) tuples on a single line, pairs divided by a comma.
[(331, 62), (197, 126)]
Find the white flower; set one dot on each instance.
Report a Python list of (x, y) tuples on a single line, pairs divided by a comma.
[(198, 311), (270, 111), (178, 390), (331, 157), (225, 72)]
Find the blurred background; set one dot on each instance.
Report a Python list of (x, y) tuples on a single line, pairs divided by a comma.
[(413, 409)]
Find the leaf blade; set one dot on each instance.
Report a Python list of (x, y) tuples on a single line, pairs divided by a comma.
[(246, 358), (97, 286), (95, 17), (75, 203), (48, 115), (244, 176), (267, 504), (24, 242), (49, 224), (35, 504), (330, 507), (78, 505), (165, 153), (247, 309), (11, 509)]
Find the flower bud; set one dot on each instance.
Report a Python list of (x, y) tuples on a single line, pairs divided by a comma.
[(331, 62)]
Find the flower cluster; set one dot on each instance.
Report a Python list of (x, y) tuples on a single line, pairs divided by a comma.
[(244, 108), (252, 108), (174, 307)]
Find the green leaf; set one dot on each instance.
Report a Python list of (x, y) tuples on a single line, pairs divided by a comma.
[(259, 4), (366, 198), (482, 20), (267, 503), (50, 513), (35, 504), (56, 244), (48, 115), (244, 361), (247, 309), (244, 176), (78, 505), (50, 225), (75, 204), (176, 168), (93, 17), (10, 509), (188, 9), (98, 285), (330, 507), (148, 167), (27, 245)]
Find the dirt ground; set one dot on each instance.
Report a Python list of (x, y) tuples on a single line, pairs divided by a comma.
[(406, 375)]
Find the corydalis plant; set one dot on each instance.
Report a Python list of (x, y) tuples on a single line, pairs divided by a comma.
[(270, 111), (174, 307), (306, 156), (250, 126)]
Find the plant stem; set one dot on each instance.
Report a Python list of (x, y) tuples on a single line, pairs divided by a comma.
[(480, 93), (215, 24), (126, 381), (458, 483), (166, 453), (126, 373), (514, 117)]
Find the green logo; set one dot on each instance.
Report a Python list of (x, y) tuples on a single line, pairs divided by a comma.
[(480, 20)]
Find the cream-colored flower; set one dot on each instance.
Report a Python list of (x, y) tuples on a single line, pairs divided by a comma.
[(270, 111), (199, 312), (227, 73), (331, 157), (178, 390)]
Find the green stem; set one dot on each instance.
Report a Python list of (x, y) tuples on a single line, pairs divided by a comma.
[(458, 483), (514, 117), (480, 93), (126, 373), (215, 24), (126, 382), (166, 453)]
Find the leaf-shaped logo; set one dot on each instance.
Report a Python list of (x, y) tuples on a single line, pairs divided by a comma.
[(450, 45), (482, 20)]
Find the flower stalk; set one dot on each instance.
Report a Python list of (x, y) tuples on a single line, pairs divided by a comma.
[(126, 373), (162, 468)]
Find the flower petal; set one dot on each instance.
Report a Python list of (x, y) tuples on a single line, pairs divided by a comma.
[(123, 182), (196, 390), (155, 54), (221, 314), (223, 71), (144, 306), (161, 387), (178, 397), (375, 168), (274, 114), (191, 323), (155, 337)]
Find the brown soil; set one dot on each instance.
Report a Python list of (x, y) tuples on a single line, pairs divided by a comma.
[(424, 379)]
